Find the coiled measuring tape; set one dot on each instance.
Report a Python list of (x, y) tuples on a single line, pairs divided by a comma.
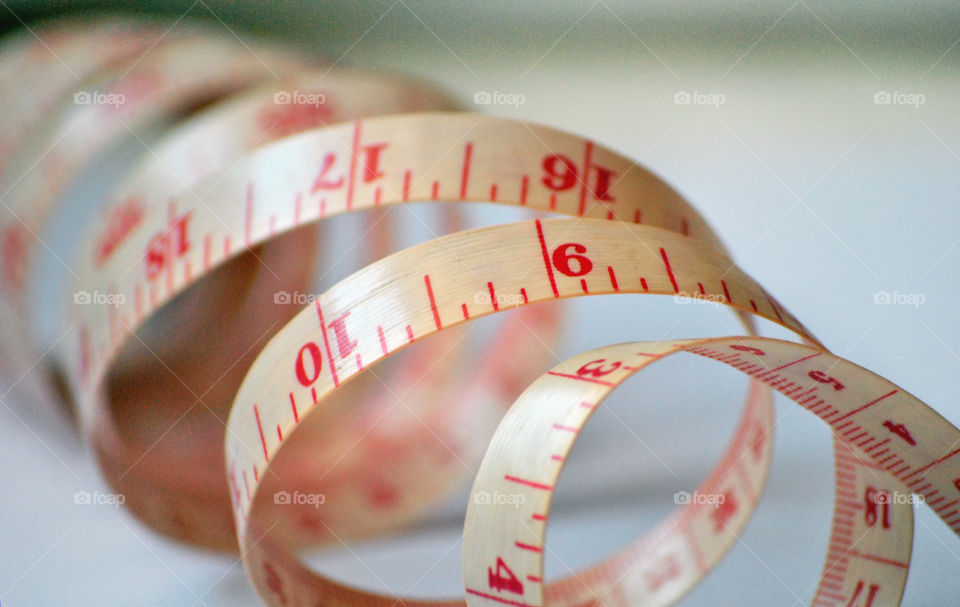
[(307, 390)]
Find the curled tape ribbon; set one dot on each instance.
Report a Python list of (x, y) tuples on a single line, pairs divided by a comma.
[(247, 179)]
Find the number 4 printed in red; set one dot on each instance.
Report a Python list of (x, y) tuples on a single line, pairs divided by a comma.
[(503, 578)]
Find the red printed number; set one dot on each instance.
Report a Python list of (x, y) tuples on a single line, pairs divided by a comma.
[(168, 246), (750, 349), (901, 431), (370, 168), (344, 344), (503, 578), (323, 180), (563, 174), (877, 507), (724, 511), (562, 258), (871, 593), (823, 378), (596, 368), (308, 372)]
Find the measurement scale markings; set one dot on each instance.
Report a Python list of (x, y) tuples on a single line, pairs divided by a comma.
[(866, 406), (326, 344), (528, 483), (351, 178), (581, 378), (433, 301), (666, 263)]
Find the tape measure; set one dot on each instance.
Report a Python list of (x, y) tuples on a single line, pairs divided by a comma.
[(193, 249)]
